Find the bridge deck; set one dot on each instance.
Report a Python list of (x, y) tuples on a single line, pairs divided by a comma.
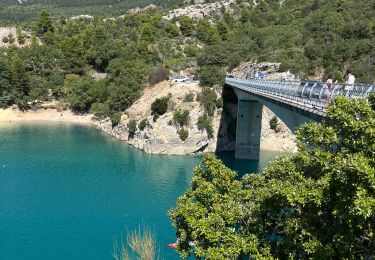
[(312, 97)]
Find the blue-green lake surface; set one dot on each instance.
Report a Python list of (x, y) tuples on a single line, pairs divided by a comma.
[(69, 191)]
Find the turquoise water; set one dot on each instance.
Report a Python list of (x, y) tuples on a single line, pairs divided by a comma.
[(68, 191)]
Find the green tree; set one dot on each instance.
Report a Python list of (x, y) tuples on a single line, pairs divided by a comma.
[(183, 134), (77, 92), (5, 83), (19, 80), (211, 75), (204, 123), (100, 110), (207, 33), (172, 29), (142, 125), (208, 99), (160, 106), (181, 118), (209, 214), (186, 25), (44, 24), (132, 127), (318, 203)]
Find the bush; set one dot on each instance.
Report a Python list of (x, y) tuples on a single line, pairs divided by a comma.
[(204, 123), (211, 75), (208, 99), (274, 124), (100, 110), (11, 38), (371, 99), (189, 97), (158, 75), (219, 103), (142, 125), (191, 50), (5, 39), (183, 134), (160, 106), (181, 118), (115, 118), (132, 127)]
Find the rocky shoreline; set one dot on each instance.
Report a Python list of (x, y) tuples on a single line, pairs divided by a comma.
[(161, 137)]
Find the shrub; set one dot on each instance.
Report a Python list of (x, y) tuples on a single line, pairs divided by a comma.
[(5, 39), (155, 118), (204, 123), (11, 38), (208, 99), (274, 124), (183, 134), (181, 118), (211, 75), (219, 103), (115, 118), (371, 99), (157, 75), (100, 110), (160, 106), (191, 50), (142, 125), (189, 97), (132, 127)]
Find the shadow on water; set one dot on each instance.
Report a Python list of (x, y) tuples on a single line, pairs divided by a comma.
[(243, 167)]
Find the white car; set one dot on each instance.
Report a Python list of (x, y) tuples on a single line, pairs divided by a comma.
[(180, 79)]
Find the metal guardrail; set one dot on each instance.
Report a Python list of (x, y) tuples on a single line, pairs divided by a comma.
[(312, 96)]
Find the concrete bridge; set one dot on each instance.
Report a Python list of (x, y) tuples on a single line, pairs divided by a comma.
[(294, 102)]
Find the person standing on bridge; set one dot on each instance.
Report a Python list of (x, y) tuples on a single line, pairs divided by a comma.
[(349, 81), (329, 84)]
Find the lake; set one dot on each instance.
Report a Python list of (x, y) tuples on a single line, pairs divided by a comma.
[(69, 191)]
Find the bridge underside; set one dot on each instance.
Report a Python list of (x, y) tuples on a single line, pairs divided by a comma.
[(249, 121)]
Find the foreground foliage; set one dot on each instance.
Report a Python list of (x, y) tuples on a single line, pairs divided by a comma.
[(142, 245), (319, 203)]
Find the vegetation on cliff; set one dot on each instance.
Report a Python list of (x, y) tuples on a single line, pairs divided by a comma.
[(316, 204)]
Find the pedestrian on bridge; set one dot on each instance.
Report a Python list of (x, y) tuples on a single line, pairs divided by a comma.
[(349, 82), (329, 84)]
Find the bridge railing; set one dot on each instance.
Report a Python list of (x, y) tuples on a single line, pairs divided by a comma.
[(315, 95)]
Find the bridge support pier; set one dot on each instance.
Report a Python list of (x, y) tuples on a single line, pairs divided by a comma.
[(249, 128)]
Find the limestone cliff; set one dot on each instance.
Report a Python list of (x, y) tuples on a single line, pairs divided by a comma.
[(161, 136)]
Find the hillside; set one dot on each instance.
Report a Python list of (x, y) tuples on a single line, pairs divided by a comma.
[(26, 10)]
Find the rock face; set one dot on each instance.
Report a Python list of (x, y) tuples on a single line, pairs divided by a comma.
[(283, 140), (200, 10), (4, 33), (270, 70), (161, 137)]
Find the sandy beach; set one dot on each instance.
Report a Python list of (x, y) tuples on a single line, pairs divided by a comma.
[(44, 115)]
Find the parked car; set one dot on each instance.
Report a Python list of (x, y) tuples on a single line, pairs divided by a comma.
[(180, 79)]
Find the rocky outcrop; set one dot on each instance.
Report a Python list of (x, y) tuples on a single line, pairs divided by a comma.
[(270, 71), (161, 136), (4, 37), (200, 10), (283, 140), (138, 10)]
